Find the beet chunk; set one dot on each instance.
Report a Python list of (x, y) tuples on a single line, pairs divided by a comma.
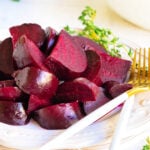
[(12, 113), (66, 55), (118, 89), (59, 116), (93, 67), (10, 93), (112, 69), (27, 53), (6, 83), (34, 81), (33, 31), (79, 89), (101, 99), (6, 61), (88, 44), (36, 103)]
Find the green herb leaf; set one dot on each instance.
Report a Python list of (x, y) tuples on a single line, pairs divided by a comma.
[(102, 36), (147, 146)]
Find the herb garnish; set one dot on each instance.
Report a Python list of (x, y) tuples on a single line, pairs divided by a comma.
[(147, 146), (102, 36)]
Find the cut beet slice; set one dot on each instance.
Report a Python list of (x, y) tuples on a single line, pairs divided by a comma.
[(33, 31), (88, 44), (50, 41), (79, 89), (6, 60), (59, 116), (118, 89), (36, 103), (101, 99), (6, 83), (37, 82), (10, 93), (13, 113), (26, 53), (66, 55), (93, 66)]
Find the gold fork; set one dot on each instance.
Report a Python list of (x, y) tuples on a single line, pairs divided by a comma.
[(140, 78)]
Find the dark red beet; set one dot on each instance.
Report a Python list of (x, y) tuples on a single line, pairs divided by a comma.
[(79, 89), (10, 93), (118, 89), (6, 60), (36, 103), (101, 99), (12, 113), (112, 69), (66, 55), (33, 31), (88, 44), (34, 81), (59, 116), (27, 53), (93, 66), (51, 39), (6, 83)]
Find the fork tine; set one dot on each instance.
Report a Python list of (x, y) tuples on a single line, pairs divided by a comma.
[(148, 72)]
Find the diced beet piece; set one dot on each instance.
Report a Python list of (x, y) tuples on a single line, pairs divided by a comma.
[(50, 41), (66, 55), (6, 60), (113, 68), (26, 53), (118, 89), (101, 99), (12, 113), (36, 103), (33, 31), (88, 44), (59, 116), (79, 89), (93, 66), (34, 81), (10, 93), (6, 83)]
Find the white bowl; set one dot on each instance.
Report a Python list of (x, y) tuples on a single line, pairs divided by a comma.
[(135, 11)]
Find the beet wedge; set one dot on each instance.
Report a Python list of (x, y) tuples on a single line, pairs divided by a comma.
[(88, 44), (13, 113), (67, 59), (36, 103), (35, 81), (79, 89), (101, 99), (6, 61), (33, 31), (26, 53), (59, 116)]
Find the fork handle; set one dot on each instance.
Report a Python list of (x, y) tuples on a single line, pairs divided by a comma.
[(86, 121)]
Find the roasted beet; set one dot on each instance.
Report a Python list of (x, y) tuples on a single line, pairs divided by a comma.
[(10, 93), (36, 103), (33, 31), (66, 55), (6, 83), (101, 99), (112, 69), (93, 66), (26, 53), (12, 113), (50, 41), (59, 116), (79, 89), (88, 44), (6, 60), (37, 82), (118, 89)]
